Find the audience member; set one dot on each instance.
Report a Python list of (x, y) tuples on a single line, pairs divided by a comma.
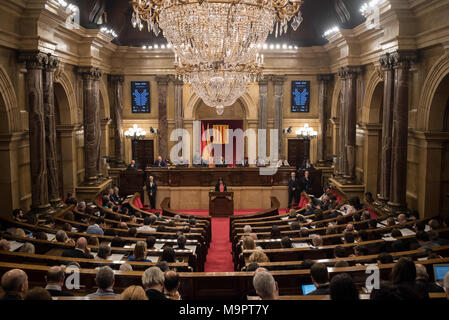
[(320, 279), (171, 285), (80, 251), (140, 252), (37, 293), (14, 284), (342, 288), (105, 282), (265, 285), (153, 283), (258, 256), (133, 293)]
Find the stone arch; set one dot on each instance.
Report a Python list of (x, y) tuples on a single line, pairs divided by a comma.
[(247, 101), (429, 116), (9, 110), (66, 100), (373, 101)]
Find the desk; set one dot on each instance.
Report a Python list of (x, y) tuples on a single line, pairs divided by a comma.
[(221, 204)]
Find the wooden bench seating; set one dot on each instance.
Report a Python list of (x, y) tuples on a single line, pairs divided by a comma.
[(213, 285)]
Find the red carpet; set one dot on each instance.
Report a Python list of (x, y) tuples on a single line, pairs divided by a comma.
[(219, 257)]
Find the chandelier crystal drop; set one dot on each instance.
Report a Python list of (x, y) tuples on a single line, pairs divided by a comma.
[(217, 42)]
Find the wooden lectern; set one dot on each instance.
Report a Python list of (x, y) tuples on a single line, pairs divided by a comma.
[(221, 204)]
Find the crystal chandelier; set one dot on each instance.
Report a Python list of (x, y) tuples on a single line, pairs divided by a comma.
[(217, 42)]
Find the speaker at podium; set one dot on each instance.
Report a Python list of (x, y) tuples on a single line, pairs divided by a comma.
[(221, 204)]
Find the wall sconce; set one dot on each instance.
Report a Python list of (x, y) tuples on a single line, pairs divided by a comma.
[(153, 131), (135, 133)]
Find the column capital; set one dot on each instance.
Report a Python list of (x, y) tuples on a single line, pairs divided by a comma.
[(403, 59), (263, 82), (52, 63), (116, 78), (325, 77), (178, 82), (386, 61), (349, 72), (277, 79), (163, 80), (34, 59), (88, 72)]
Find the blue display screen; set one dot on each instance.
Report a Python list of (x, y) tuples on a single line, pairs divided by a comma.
[(300, 96), (440, 271), (308, 288), (140, 97)]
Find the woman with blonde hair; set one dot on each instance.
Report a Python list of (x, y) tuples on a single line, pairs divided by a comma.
[(140, 252), (134, 293), (258, 256)]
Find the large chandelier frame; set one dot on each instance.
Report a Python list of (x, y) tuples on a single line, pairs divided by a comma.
[(217, 42)]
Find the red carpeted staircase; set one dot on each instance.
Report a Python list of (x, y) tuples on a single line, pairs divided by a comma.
[(219, 258)]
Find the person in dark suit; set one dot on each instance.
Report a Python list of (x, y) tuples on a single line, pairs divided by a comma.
[(293, 189), (320, 278), (306, 182), (151, 191), (159, 162), (81, 250), (422, 280), (55, 282), (307, 165), (153, 283), (132, 165), (14, 284), (221, 186)]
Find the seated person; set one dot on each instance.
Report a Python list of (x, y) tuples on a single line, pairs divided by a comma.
[(159, 162), (320, 278), (132, 165), (140, 252), (307, 165), (182, 240), (80, 251)]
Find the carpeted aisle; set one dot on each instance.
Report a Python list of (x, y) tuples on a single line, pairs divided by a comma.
[(219, 258)]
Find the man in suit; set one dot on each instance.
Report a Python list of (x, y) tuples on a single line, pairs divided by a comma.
[(159, 162), (293, 189), (55, 282), (132, 165), (81, 250), (265, 285), (153, 283), (14, 284), (320, 278), (151, 191), (306, 182), (182, 240), (105, 282), (422, 280), (307, 165)]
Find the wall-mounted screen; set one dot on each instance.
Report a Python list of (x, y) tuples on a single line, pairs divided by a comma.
[(300, 96), (140, 97)]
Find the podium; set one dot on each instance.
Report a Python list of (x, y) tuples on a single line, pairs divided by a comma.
[(221, 204)]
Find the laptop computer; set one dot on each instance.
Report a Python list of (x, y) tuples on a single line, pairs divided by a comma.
[(439, 271), (307, 288)]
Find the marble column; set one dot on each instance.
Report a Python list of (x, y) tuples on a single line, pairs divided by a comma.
[(179, 111), (91, 122), (119, 143), (398, 186), (162, 84), (387, 123), (50, 130), (323, 81), (351, 122), (35, 62), (341, 159), (279, 111), (262, 113)]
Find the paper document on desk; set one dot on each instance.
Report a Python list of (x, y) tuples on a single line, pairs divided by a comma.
[(51, 236), (407, 232), (284, 218), (116, 256), (158, 245), (131, 246), (193, 248), (300, 245), (388, 237), (15, 245)]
